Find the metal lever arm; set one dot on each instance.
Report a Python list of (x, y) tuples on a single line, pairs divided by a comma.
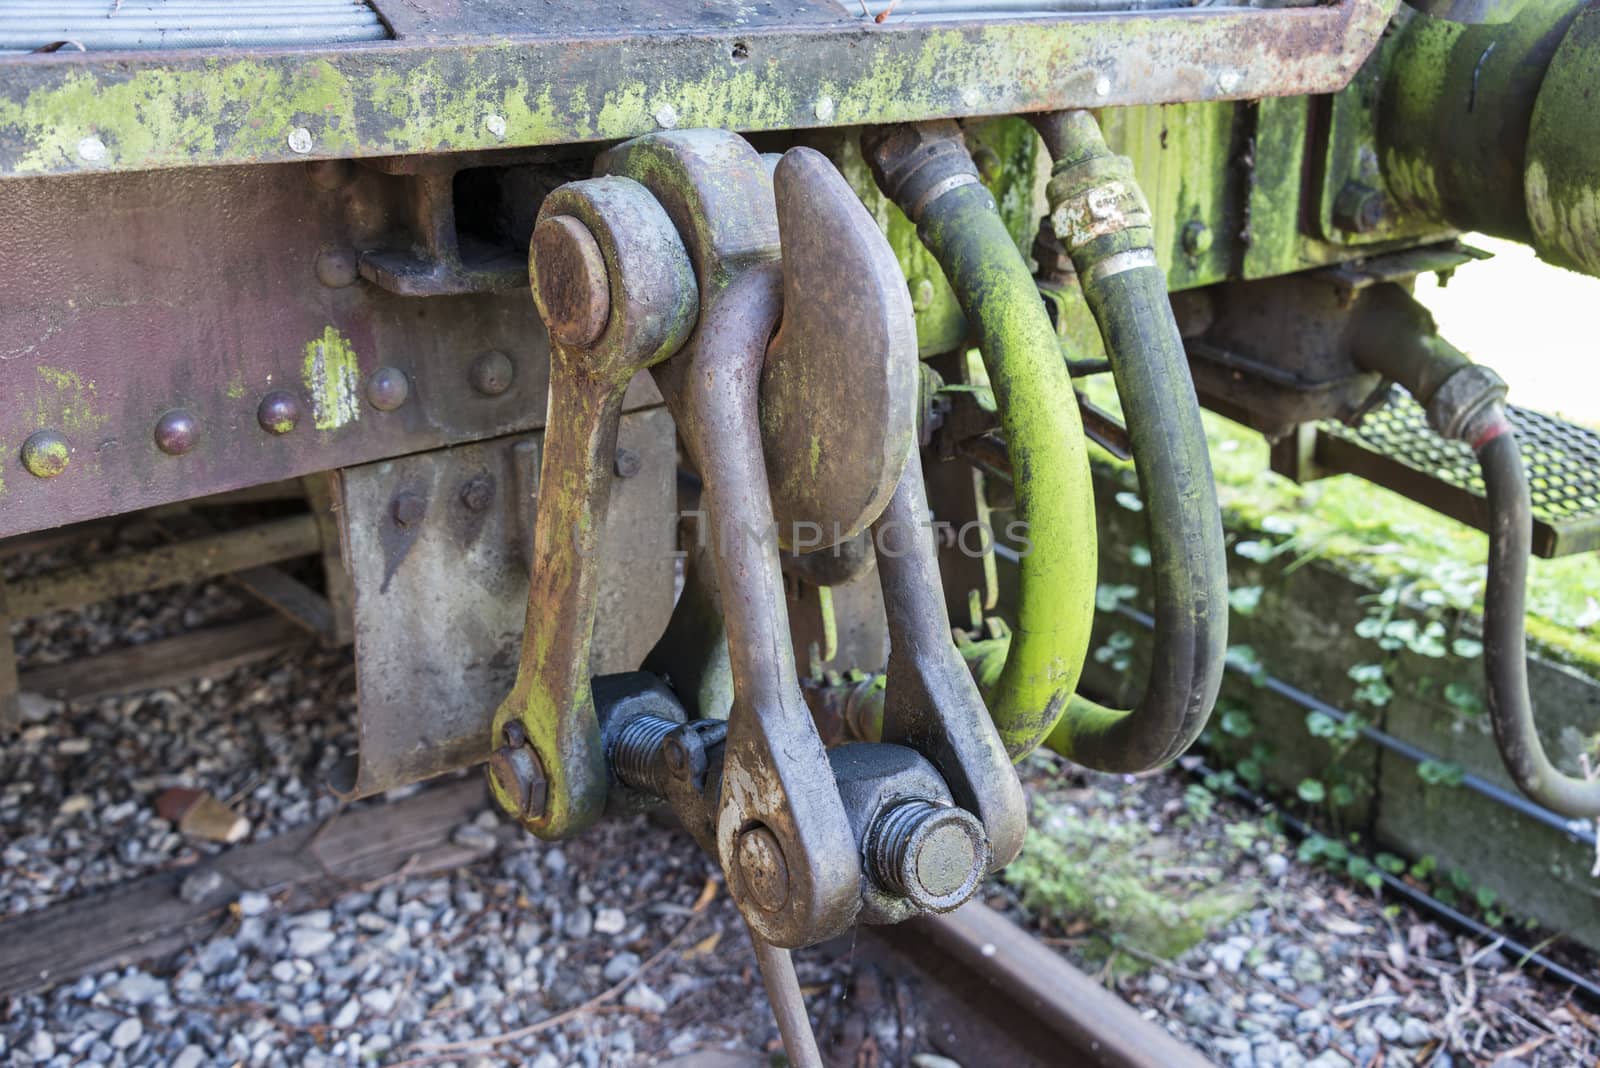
[(614, 286)]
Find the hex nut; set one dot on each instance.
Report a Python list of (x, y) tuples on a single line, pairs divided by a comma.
[(626, 463), (1358, 209), (477, 494), (407, 509), (519, 773)]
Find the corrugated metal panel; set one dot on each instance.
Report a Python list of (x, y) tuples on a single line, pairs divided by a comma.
[(143, 25)]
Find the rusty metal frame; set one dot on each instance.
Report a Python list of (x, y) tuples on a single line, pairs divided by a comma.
[(451, 82)]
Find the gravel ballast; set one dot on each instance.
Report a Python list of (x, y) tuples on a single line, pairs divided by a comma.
[(622, 948)]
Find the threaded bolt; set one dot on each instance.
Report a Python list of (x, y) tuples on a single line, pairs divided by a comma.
[(934, 855), (634, 750)]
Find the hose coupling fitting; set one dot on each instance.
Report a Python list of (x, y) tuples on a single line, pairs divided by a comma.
[(917, 163), (1468, 404), (1096, 199)]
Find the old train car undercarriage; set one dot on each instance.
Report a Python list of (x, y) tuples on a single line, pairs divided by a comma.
[(614, 363)]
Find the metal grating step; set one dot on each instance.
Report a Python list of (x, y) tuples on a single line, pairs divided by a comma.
[(1395, 447)]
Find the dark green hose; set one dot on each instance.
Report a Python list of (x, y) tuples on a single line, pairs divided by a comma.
[(1100, 215)]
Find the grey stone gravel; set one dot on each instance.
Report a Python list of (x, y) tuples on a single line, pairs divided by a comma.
[(371, 975)]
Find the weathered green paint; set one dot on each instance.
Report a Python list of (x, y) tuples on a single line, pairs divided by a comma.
[(1563, 173), (332, 377), (64, 401), (428, 95)]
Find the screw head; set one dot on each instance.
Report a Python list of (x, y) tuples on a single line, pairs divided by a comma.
[(762, 868), (46, 453), (492, 373), (279, 412), (626, 463), (477, 494), (177, 432), (336, 267), (570, 282), (388, 388), (1197, 238), (408, 509)]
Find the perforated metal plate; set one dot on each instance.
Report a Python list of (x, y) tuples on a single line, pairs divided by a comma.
[(1395, 447)]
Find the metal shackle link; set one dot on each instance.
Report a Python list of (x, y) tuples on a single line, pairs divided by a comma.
[(599, 244)]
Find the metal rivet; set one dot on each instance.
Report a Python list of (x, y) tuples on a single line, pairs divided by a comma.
[(388, 388), (91, 150), (1197, 238), (407, 509), (477, 494), (824, 109), (666, 116), (496, 125), (626, 463), (492, 373), (46, 453), (300, 140), (921, 294), (177, 432), (336, 267), (279, 412), (762, 868), (1102, 86)]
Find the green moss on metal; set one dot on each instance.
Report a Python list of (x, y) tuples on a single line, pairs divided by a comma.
[(332, 377), (192, 111), (64, 401), (1563, 169), (1045, 436)]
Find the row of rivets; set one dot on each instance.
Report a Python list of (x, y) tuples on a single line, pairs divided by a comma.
[(46, 453)]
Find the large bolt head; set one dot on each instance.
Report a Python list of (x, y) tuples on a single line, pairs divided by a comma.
[(762, 869), (570, 282)]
